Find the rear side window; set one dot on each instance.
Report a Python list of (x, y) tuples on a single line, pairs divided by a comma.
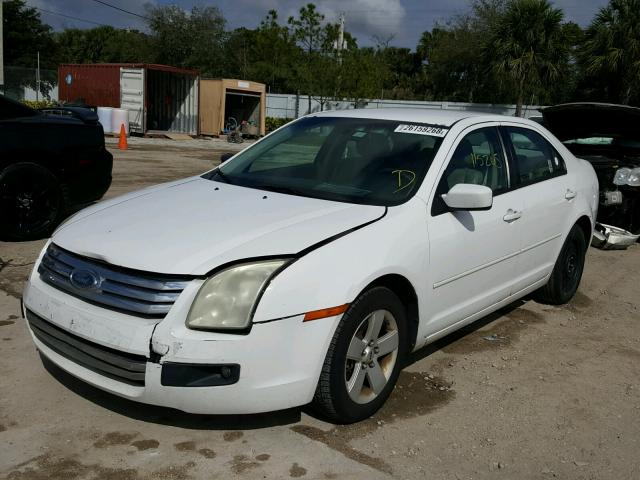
[(535, 159)]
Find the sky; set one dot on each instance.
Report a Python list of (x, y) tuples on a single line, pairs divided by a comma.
[(399, 21)]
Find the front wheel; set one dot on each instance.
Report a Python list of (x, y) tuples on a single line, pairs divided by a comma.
[(567, 272), (30, 202), (364, 358)]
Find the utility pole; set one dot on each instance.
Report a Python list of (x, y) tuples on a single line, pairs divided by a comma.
[(38, 79), (340, 44), (339, 48)]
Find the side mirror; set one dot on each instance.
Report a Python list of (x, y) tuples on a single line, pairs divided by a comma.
[(226, 156), (467, 196)]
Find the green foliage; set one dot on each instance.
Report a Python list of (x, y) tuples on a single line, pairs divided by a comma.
[(192, 39), (24, 36), (500, 51), (39, 104), (527, 46), (272, 123), (455, 57), (611, 52), (103, 45)]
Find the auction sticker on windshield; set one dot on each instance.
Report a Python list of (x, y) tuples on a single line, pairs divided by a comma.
[(422, 130)]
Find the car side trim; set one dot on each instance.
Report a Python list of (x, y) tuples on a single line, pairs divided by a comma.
[(493, 262)]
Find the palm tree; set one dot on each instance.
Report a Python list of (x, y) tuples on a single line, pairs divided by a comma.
[(612, 47), (527, 46)]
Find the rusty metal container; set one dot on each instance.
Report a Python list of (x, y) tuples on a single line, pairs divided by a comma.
[(158, 97)]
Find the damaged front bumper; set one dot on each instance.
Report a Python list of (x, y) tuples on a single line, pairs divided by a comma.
[(608, 237), (161, 362)]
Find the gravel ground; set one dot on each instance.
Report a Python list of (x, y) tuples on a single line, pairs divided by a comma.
[(532, 392)]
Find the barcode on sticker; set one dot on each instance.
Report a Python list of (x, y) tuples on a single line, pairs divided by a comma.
[(422, 130)]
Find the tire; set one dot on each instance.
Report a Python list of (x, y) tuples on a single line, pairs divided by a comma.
[(567, 272), (384, 355), (31, 202)]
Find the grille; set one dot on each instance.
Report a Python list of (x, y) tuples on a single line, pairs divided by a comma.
[(133, 292), (121, 366)]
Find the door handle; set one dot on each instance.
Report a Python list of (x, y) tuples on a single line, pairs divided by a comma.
[(570, 195), (511, 216)]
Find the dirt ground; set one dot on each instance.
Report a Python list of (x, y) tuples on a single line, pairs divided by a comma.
[(534, 392)]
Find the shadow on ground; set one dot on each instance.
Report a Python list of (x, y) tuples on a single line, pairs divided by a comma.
[(167, 416)]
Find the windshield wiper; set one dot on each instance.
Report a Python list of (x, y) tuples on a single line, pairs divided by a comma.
[(223, 176)]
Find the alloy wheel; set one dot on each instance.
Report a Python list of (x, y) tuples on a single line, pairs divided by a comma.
[(371, 357)]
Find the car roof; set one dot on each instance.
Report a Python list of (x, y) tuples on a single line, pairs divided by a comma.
[(420, 115)]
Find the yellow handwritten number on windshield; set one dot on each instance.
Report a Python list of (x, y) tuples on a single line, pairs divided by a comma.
[(405, 179)]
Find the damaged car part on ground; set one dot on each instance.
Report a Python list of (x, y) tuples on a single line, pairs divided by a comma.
[(50, 164), (607, 136), (310, 264)]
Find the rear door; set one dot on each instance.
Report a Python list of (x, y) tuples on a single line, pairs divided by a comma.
[(541, 180), (132, 83)]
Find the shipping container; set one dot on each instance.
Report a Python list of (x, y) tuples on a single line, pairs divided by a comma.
[(159, 98), (224, 101)]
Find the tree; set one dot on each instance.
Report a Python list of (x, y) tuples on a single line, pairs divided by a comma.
[(24, 36), (307, 31), (364, 74), (103, 44), (404, 69), (454, 57), (527, 46), (611, 51), (192, 39), (272, 54)]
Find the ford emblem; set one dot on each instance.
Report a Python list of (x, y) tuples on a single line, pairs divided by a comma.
[(84, 279)]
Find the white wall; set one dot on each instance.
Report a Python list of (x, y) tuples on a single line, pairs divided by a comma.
[(284, 106), (30, 94)]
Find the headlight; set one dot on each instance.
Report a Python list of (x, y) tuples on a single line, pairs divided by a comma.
[(621, 176), (627, 176), (226, 300), (634, 178)]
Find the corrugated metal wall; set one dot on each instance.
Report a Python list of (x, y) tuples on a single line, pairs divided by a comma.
[(96, 84), (172, 102)]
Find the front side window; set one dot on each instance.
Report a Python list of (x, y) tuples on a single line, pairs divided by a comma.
[(477, 159), (368, 161), (536, 160)]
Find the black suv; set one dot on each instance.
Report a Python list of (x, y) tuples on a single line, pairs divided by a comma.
[(51, 162)]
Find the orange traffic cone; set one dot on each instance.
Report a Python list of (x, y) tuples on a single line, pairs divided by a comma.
[(122, 144)]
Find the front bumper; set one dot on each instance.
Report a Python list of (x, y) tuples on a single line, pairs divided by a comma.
[(279, 361)]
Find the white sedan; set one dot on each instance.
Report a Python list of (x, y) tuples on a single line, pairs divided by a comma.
[(305, 268)]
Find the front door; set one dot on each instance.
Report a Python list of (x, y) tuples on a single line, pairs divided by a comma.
[(473, 254)]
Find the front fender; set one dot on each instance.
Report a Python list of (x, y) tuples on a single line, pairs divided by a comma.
[(335, 273)]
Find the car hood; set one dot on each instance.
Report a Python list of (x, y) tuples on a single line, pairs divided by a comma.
[(583, 120), (194, 225)]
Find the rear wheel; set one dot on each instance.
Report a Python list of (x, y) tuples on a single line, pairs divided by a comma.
[(567, 272), (30, 202), (364, 358)]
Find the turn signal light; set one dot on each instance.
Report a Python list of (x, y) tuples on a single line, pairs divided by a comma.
[(325, 312)]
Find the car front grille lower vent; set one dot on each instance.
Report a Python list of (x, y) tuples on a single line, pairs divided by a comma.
[(133, 292), (121, 366)]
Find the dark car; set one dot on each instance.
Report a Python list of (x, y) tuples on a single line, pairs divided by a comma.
[(608, 136), (50, 164)]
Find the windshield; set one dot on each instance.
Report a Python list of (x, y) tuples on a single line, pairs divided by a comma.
[(374, 162)]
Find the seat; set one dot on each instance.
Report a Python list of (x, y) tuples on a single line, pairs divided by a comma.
[(369, 152), (461, 168)]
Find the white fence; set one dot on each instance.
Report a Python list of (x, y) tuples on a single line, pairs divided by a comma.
[(293, 106)]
